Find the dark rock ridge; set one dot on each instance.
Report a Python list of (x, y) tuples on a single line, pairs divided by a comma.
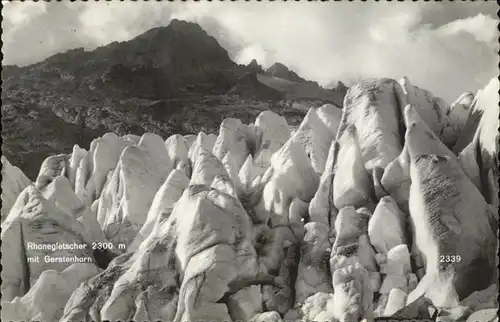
[(281, 71), (255, 67), (248, 86)]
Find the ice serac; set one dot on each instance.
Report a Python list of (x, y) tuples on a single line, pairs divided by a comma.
[(162, 205), (233, 137), (13, 182), (202, 141), (33, 221), (52, 167), (352, 295), (190, 139), (210, 141), (87, 300), (60, 193), (460, 110), (396, 179), (397, 280), (442, 198), (177, 149), (318, 307), (313, 271), (280, 204), (352, 265), (230, 164), (297, 215), (128, 195), (292, 176), (88, 171), (206, 168), (245, 303), (351, 185), (273, 133), (54, 285), (316, 137), (331, 116), (193, 259), (279, 296), (248, 173), (395, 302), (105, 156), (387, 226), (321, 207), (372, 107), (83, 185), (434, 111), (155, 146), (74, 162), (479, 157)]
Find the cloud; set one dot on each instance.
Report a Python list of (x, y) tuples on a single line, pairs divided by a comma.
[(38, 33), (375, 40), (17, 14), (118, 21), (482, 27), (256, 51), (447, 48)]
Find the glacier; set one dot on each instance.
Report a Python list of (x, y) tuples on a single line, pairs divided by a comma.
[(386, 207)]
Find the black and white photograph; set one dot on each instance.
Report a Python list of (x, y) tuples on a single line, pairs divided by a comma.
[(250, 161)]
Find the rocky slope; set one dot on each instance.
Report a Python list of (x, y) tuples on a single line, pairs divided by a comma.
[(169, 80), (281, 71), (385, 209)]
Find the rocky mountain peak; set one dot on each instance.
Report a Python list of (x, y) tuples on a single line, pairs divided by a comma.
[(180, 42), (281, 71), (255, 67), (170, 79)]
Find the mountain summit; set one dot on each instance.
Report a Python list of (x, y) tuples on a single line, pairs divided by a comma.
[(281, 71), (172, 79)]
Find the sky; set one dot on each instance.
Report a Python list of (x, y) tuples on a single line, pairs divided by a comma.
[(446, 47)]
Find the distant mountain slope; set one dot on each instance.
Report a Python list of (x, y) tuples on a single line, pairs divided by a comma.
[(251, 86), (154, 83), (278, 82), (308, 90), (281, 71)]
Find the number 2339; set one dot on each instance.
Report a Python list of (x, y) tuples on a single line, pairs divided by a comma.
[(450, 258)]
